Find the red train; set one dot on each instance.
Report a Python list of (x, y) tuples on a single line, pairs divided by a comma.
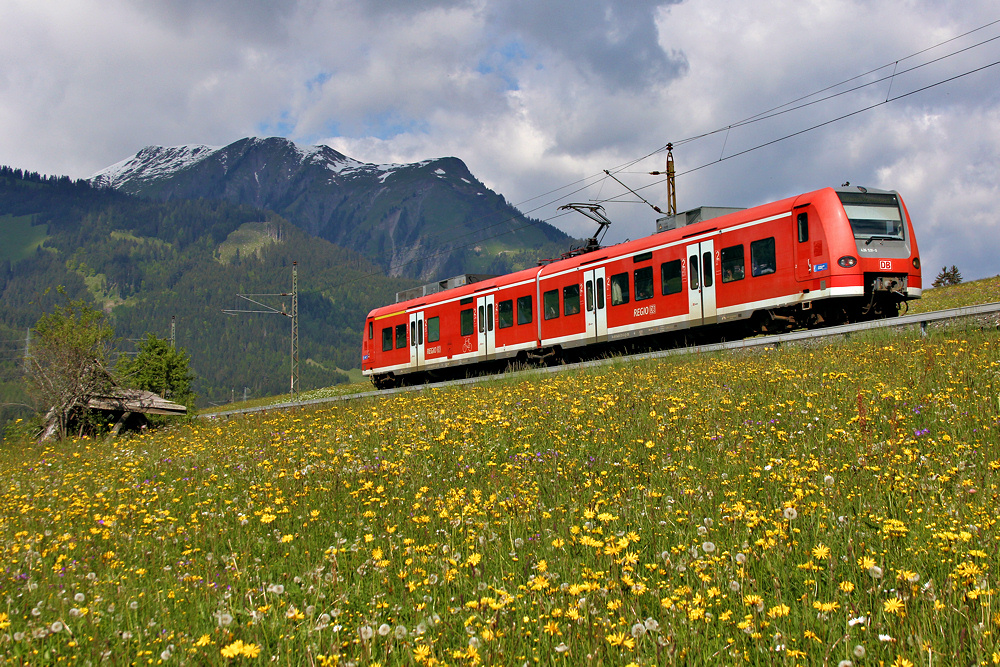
[(824, 257)]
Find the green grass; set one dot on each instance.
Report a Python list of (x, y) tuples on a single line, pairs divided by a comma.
[(971, 293), (19, 239), (248, 240), (772, 506)]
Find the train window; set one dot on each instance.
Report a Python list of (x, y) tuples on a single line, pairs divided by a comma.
[(550, 304), (482, 320), (433, 329), (590, 296), (571, 299), (600, 293), (386, 339), (643, 257), (803, 221), (762, 258), (505, 314), (466, 301), (524, 309), (643, 283), (489, 317), (466, 323), (400, 336), (693, 271), (420, 332), (706, 268), (670, 277), (371, 331), (733, 266), (619, 289)]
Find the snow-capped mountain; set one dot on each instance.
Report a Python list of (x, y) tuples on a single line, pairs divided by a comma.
[(427, 219)]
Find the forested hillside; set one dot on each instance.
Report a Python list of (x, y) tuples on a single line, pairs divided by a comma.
[(426, 220), (143, 262)]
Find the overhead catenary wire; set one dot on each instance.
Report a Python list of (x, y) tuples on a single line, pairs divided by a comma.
[(584, 183)]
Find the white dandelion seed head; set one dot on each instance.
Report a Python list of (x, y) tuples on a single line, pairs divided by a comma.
[(384, 629), (126, 635), (702, 530), (651, 625), (741, 558), (366, 632), (734, 586), (165, 655), (74, 612), (859, 651), (708, 547), (638, 630), (79, 597), (400, 632), (475, 642), (56, 626), (790, 514), (875, 572), (133, 605), (845, 663)]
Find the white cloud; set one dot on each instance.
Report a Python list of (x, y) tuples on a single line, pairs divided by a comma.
[(533, 96)]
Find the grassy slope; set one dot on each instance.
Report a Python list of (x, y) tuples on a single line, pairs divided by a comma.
[(18, 238), (966, 294), (800, 505)]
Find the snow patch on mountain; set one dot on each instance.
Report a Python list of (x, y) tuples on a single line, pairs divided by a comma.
[(153, 162)]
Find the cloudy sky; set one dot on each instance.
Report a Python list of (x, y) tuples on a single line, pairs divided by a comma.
[(539, 97)]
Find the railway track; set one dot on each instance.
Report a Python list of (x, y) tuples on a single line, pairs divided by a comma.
[(923, 320)]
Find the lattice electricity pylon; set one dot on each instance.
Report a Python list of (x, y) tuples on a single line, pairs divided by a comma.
[(294, 316)]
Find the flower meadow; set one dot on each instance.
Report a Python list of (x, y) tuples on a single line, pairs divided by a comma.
[(831, 504)]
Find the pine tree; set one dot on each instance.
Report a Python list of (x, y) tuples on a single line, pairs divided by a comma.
[(948, 277)]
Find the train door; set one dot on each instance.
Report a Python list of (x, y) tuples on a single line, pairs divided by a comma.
[(417, 339), (803, 246), (597, 311), (701, 283), (487, 329)]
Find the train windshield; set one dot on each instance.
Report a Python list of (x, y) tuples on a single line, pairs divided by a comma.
[(874, 216)]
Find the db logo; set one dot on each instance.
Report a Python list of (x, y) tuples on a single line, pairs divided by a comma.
[(884, 265)]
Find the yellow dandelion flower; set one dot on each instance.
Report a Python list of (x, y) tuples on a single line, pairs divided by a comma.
[(892, 605), (778, 611), (821, 552), (233, 650), (847, 586), (204, 640)]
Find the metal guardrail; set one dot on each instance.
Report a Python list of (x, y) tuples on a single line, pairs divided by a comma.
[(918, 319)]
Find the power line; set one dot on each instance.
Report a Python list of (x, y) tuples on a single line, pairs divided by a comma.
[(444, 251)]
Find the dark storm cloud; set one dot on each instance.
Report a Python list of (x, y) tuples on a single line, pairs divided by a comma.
[(615, 42)]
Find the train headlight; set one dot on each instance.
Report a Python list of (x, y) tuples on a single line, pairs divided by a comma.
[(847, 261), (916, 263)]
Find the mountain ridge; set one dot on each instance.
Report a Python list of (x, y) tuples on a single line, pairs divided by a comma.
[(420, 220)]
